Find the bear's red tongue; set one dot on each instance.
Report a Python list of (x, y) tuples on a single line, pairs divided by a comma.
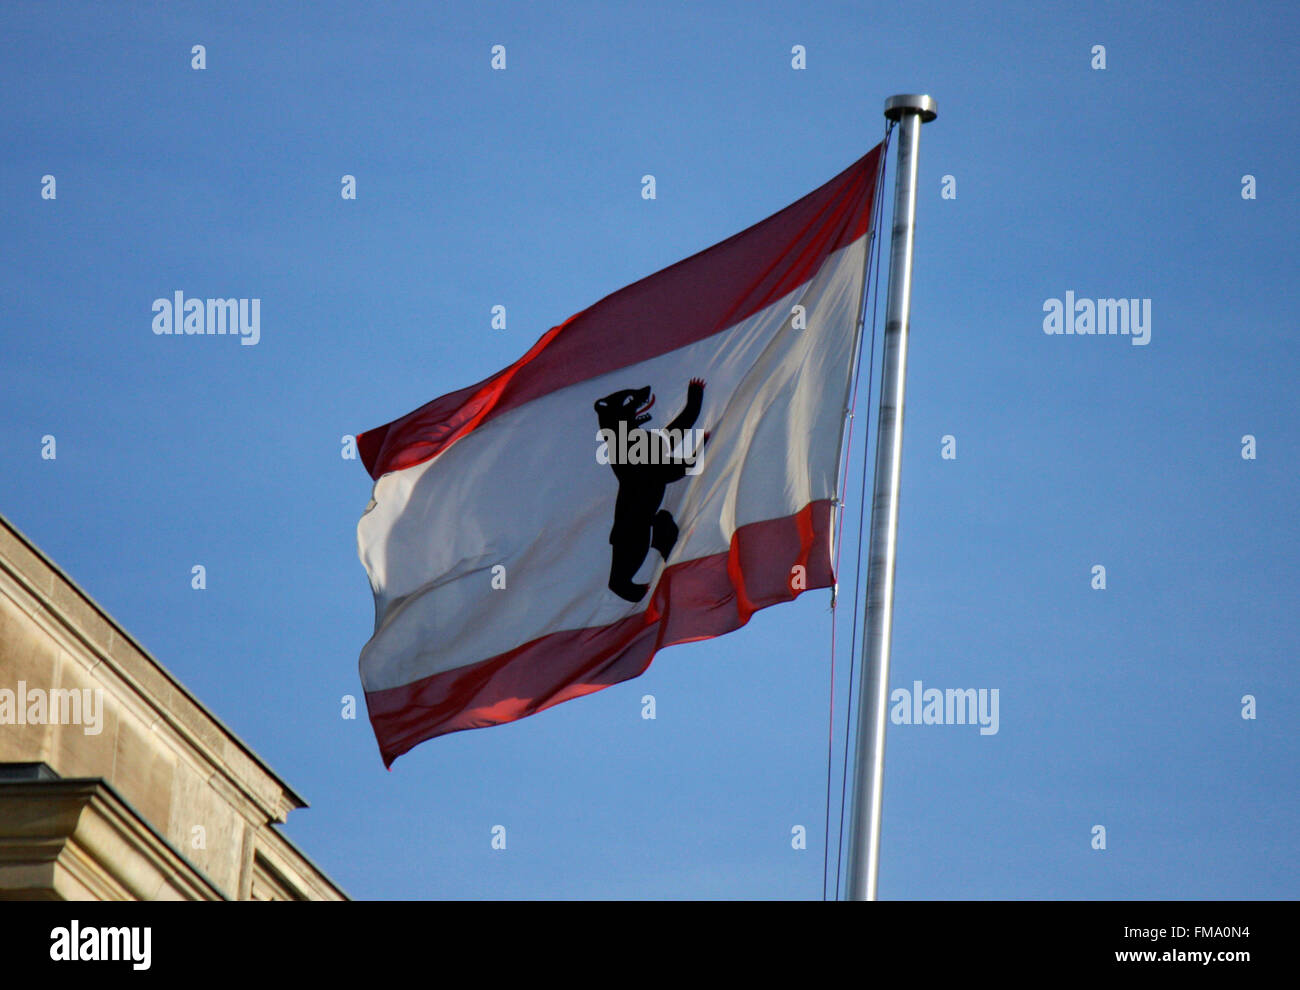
[(647, 405)]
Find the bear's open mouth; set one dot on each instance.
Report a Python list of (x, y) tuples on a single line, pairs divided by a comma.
[(642, 414)]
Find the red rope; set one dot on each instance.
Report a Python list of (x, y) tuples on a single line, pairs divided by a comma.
[(872, 252)]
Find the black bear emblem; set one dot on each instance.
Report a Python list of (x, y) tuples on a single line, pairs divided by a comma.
[(639, 523)]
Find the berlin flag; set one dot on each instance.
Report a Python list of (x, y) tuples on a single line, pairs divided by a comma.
[(653, 471)]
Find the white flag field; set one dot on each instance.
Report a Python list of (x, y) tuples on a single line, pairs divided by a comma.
[(653, 471)]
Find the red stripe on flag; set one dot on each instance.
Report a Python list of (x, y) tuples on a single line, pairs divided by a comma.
[(686, 302), (696, 599)]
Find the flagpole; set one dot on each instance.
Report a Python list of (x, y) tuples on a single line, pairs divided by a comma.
[(910, 111)]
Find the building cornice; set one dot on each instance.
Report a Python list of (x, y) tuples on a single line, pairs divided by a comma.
[(66, 611)]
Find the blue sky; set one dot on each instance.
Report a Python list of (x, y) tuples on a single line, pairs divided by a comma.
[(522, 187)]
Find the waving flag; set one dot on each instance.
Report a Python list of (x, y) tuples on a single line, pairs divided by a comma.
[(653, 471)]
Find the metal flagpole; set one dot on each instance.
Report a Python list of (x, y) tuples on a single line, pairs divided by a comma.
[(910, 112)]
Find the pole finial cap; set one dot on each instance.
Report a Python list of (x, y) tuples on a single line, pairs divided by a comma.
[(896, 106)]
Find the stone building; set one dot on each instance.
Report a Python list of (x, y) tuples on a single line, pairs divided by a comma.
[(115, 782)]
